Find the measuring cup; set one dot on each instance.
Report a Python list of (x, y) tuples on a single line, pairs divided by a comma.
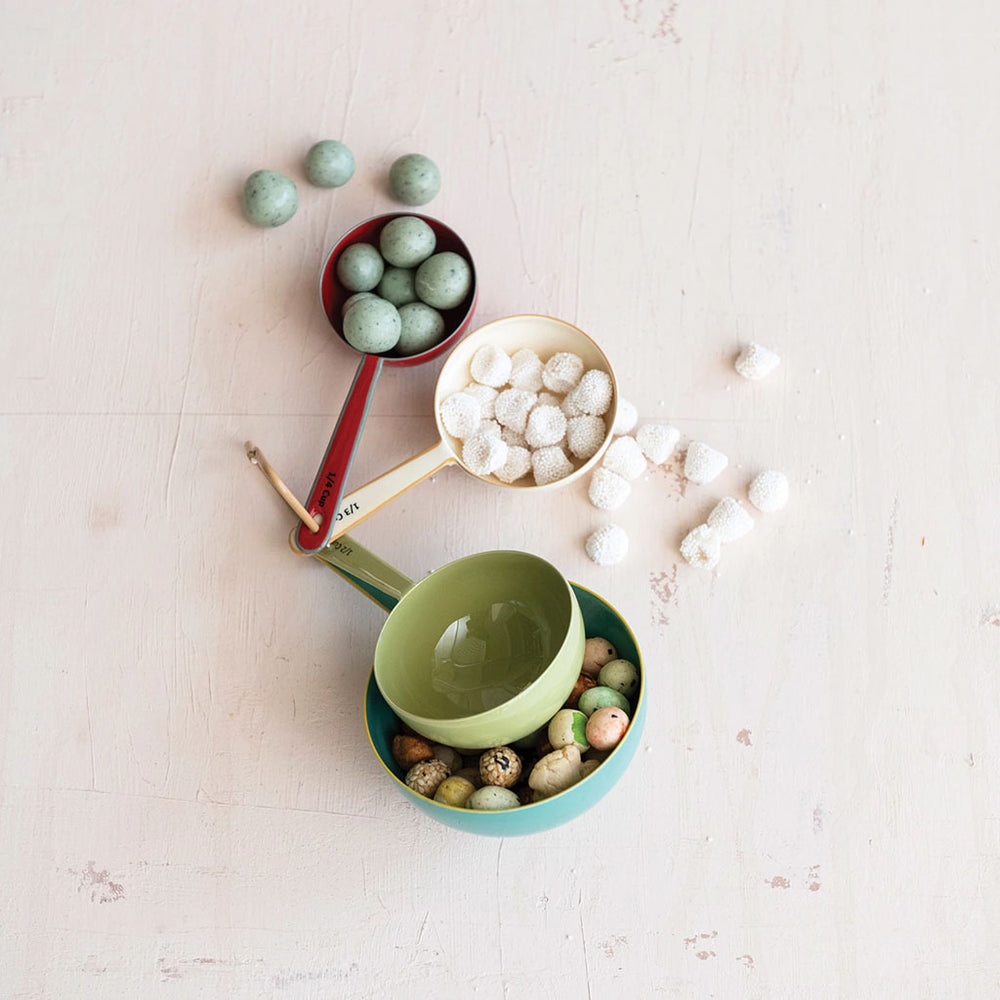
[(379, 581), (328, 486), (481, 652), (543, 334)]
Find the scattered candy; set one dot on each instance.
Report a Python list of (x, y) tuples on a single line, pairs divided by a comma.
[(562, 372), (546, 425), (769, 491), (329, 164), (607, 490), (596, 652), (621, 676), (414, 179), (500, 766), (657, 441), (626, 418), (269, 198), (491, 366), (585, 435), (756, 361), (703, 463), (625, 457), (608, 545), (460, 414), (730, 520), (550, 465), (702, 547), (606, 727)]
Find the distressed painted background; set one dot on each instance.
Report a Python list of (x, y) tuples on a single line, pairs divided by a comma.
[(188, 806)]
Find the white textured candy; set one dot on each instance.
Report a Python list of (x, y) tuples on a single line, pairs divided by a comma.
[(512, 407), (490, 427), (585, 435), (517, 466), (657, 441), (756, 361), (730, 520), (460, 414), (703, 463), (513, 438), (549, 399), (625, 457), (702, 547), (570, 406), (626, 418), (769, 491), (562, 371), (546, 425), (607, 490), (550, 464), (608, 545), (486, 395), (484, 453), (491, 366), (592, 394), (526, 370)]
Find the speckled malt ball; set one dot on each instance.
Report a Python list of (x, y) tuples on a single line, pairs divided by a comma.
[(414, 179), (596, 652), (372, 326), (420, 328), (606, 727), (269, 198), (329, 164), (360, 267), (406, 241), (444, 280)]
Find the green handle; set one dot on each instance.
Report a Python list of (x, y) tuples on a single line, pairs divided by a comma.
[(365, 570)]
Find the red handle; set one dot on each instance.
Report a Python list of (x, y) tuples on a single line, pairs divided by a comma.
[(328, 487)]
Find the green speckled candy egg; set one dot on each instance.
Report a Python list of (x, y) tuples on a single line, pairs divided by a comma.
[(492, 797), (406, 241), (421, 328), (444, 280), (620, 675), (329, 164), (356, 297), (372, 326), (602, 697), (568, 727), (269, 198), (360, 267), (396, 286), (414, 179)]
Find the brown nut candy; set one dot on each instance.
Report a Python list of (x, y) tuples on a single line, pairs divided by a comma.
[(425, 776), (583, 682), (596, 653), (500, 766), (410, 750)]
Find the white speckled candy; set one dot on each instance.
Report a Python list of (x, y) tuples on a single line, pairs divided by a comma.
[(702, 547), (546, 425), (568, 727), (372, 325), (621, 676), (550, 464), (517, 466), (625, 457), (608, 490), (608, 545), (329, 164), (269, 198), (606, 727), (756, 361), (703, 463), (546, 398), (492, 797), (526, 370), (626, 417), (562, 371), (515, 439), (585, 435), (484, 453), (769, 491), (730, 519), (512, 407), (406, 241), (490, 366), (487, 397), (592, 394), (461, 414), (657, 441)]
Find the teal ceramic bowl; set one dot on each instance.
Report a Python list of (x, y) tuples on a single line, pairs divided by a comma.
[(600, 619)]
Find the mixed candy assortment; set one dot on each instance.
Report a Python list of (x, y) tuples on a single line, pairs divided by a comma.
[(576, 740)]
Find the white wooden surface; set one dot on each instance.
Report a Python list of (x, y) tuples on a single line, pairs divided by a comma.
[(188, 807)]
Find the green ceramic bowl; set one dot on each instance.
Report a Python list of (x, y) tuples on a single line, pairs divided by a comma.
[(382, 723)]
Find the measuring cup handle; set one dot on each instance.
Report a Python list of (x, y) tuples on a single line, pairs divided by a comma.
[(328, 487), (367, 499), (373, 576)]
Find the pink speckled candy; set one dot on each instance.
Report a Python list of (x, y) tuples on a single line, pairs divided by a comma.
[(606, 727)]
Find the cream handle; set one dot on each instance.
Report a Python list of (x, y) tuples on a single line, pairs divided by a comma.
[(367, 499)]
